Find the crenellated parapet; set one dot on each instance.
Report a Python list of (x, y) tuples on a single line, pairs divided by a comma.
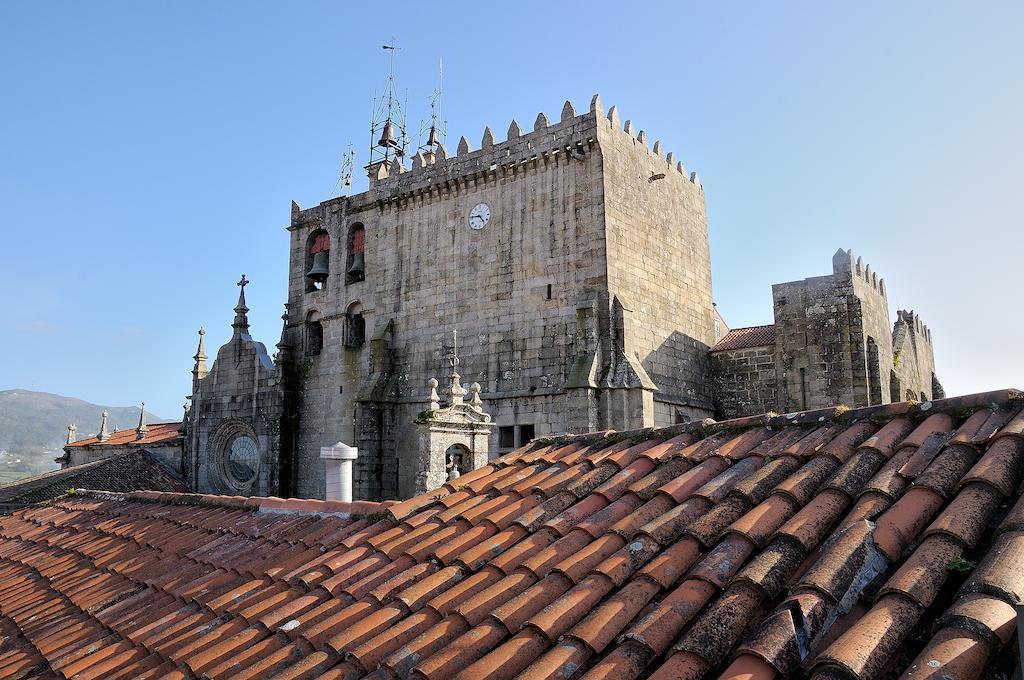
[(914, 324), (844, 264)]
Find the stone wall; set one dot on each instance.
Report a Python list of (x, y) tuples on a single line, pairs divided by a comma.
[(913, 370), (542, 329), (659, 266), (744, 381), (428, 273)]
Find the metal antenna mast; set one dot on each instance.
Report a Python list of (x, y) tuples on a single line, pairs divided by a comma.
[(436, 132), (388, 138)]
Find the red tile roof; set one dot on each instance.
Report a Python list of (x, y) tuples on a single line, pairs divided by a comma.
[(158, 434), (741, 338), (127, 471), (826, 544)]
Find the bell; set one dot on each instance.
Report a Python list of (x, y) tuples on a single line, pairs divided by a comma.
[(387, 138), (321, 267), (432, 140), (358, 267)]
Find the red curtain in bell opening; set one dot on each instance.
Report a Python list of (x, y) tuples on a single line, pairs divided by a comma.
[(321, 244), (358, 241)]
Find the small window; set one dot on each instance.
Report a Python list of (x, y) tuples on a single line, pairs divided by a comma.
[(549, 291), (526, 433), (506, 436)]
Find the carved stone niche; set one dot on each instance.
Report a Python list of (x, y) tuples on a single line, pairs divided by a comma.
[(451, 440)]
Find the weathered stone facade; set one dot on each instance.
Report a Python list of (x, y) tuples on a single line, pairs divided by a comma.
[(833, 344), (241, 399), (574, 263), (585, 302)]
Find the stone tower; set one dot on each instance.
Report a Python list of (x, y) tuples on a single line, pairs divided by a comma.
[(573, 260), (831, 343)]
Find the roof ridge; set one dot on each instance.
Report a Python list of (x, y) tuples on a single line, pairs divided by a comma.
[(269, 504), (961, 405)]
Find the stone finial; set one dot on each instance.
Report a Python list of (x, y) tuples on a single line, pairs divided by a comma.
[(488, 140), (694, 178), (241, 322), (680, 169), (463, 147), (419, 160), (860, 265), (613, 116), (199, 370), (72, 433), (642, 137), (568, 112), (104, 433), (541, 122), (657, 148), (474, 399), (456, 391), (142, 430), (441, 152), (435, 400), (670, 159), (295, 212), (595, 105), (513, 130), (396, 166), (628, 128)]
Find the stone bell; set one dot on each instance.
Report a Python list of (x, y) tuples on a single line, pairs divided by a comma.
[(358, 267), (321, 267), (387, 138)]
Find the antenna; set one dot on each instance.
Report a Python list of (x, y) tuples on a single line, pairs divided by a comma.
[(348, 160), (388, 138), (437, 131)]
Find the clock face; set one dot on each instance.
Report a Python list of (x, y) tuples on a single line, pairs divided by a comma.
[(479, 216)]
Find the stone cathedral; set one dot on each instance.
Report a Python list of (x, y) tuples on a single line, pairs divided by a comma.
[(571, 261)]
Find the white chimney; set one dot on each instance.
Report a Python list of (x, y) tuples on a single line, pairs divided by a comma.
[(338, 468)]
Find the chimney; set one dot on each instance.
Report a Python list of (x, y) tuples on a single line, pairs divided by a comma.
[(338, 468)]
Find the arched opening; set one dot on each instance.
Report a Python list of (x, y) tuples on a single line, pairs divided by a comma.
[(355, 326), (355, 263), (457, 461), (313, 341), (318, 260), (910, 396)]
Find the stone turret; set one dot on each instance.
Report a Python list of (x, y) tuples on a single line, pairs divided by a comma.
[(72, 433)]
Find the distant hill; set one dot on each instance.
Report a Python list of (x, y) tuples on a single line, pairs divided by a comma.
[(34, 427)]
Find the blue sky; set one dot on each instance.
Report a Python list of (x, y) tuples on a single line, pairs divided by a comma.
[(149, 153)]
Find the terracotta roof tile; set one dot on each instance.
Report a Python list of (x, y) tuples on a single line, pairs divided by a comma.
[(158, 433), (743, 338), (697, 549)]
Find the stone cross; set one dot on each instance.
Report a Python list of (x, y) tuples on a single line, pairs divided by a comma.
[(242, 282)]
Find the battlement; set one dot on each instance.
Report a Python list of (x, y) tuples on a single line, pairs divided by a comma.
[(844, 264), (914, 324), (548, 142)]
